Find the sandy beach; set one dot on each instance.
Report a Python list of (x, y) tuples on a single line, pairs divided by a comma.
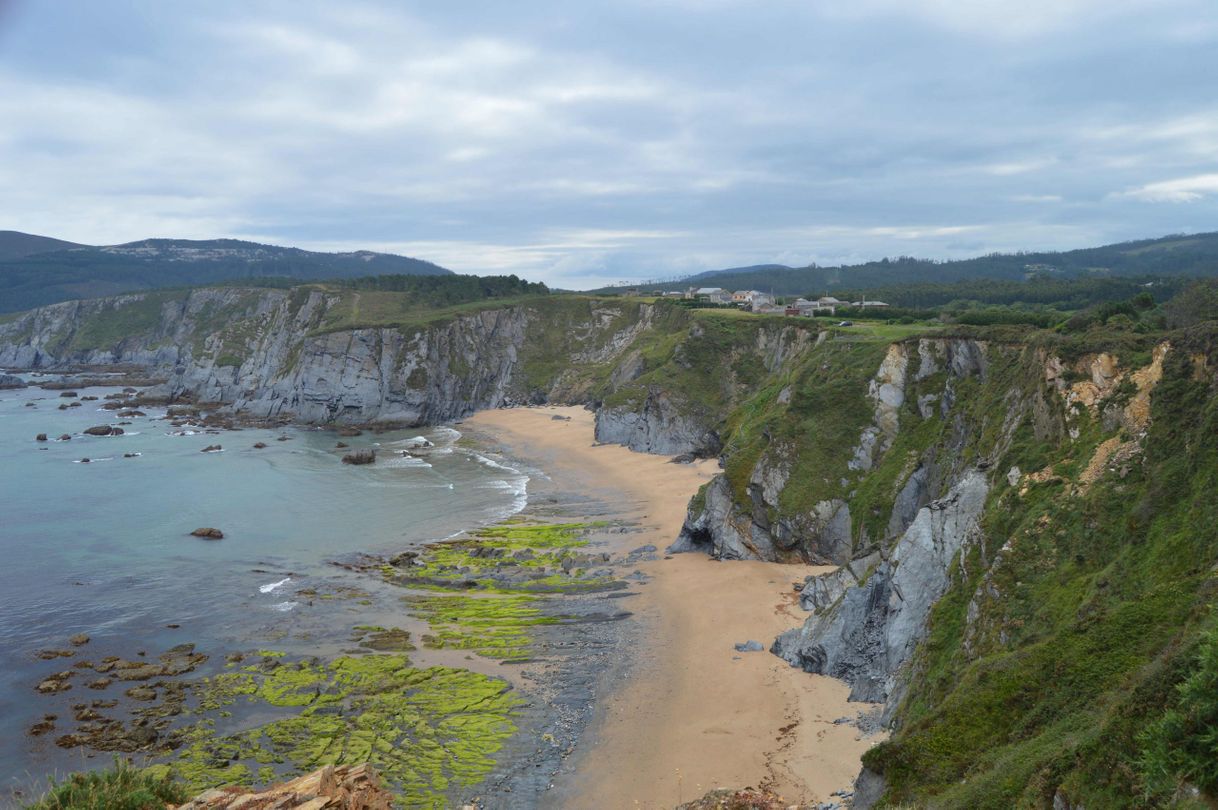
[(694, 714)]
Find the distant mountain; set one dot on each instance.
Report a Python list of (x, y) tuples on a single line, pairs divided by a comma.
[(15, 244), (31, 277), (1178, 255)]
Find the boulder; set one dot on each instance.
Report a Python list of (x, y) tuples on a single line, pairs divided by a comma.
[(341, 445), (130, 414), (11, 381), (67, 394), (350, 431), (259, 445), (208, 533), (211, 448), (66, 437), (41, 437), (103, 430), (79, 639), (365, 456)]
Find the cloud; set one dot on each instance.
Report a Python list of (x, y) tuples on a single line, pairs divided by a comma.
[(578, 145), (1180, 190)]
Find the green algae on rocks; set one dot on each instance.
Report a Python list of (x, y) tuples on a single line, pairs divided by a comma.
[(428, 731), (511, 557), (492, 626)]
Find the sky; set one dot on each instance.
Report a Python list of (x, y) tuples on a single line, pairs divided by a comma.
[(583, 144)]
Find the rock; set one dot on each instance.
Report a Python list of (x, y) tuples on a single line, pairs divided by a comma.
[(683, 458), (647, 549), (130, 414), (103, 430), (340, 445), (85, 460), (88, 399), (41, 437), (872, 629), (141, 693), (211, 448), (67, 394), (48, 655), (749, 646), (208, 533), (259, 446), (11, 382), (79, 639), (66, 437), (131, 455), (747, 799), (560, 418), (336, 787), (284, 439), (43, 726), (100, 683), (53, 684), (350, 431), (363, 456), (404, 560)]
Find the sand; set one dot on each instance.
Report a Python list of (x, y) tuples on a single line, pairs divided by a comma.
[(694, 713)]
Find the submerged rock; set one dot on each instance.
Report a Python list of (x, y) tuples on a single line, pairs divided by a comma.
[(41, 437), (364, 456), (103, 430), (212, 448), (208, 533)]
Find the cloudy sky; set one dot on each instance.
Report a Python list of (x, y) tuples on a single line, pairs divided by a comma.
[(586, 143)]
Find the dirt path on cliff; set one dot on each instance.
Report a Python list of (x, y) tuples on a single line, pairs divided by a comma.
[(692, 713)]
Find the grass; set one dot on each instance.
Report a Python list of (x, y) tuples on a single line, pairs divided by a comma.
[(121, 787)]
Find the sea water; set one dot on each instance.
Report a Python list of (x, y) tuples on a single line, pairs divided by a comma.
[(103, 548)]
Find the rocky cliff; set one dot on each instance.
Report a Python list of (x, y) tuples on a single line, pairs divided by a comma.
[(1024, 522), (292, 354)]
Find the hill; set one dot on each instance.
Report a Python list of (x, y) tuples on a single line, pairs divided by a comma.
[(15, 244), (37, 270), (1177, 255)]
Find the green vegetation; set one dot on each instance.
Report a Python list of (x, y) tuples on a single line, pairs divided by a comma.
[(122, 787), (1182, 745)]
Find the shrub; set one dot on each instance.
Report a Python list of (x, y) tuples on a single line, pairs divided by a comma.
[(123, 787), (1182, 746)]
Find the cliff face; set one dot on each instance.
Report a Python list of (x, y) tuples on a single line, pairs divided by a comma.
[(274, 353)]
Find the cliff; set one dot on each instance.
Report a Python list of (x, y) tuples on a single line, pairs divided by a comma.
[(1024, 521)]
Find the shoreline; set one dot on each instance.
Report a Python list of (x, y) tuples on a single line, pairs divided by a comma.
[(687, 713)]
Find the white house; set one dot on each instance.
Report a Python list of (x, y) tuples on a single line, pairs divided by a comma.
[(715, 295)]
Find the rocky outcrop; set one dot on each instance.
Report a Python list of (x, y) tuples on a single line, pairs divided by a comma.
[(342, 787), (872, 630), (11, 381), (659, 425)]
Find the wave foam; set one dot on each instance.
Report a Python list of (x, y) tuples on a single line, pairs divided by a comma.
[(273, 585)]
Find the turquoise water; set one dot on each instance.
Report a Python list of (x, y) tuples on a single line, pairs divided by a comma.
[(103, 548)]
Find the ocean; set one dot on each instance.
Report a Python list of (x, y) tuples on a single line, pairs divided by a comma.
[(104, 548)]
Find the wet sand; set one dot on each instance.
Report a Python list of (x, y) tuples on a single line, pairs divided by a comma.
[(693, 714)]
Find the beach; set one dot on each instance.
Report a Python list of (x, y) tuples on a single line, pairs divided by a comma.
[(687, 712)]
